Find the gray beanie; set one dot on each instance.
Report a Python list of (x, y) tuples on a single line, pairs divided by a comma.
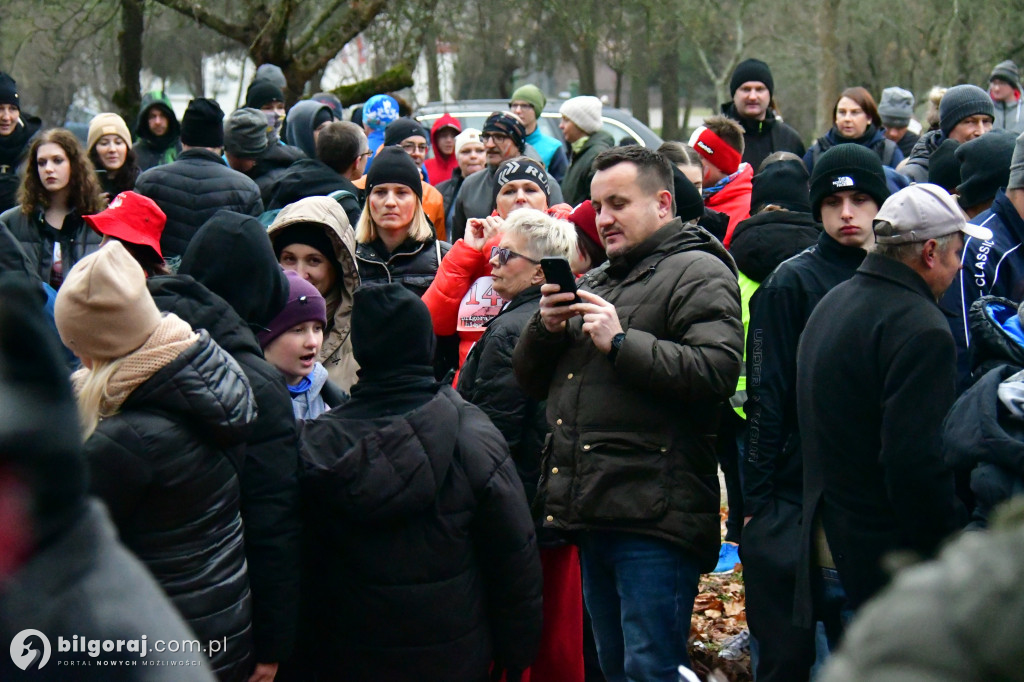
[(896, 107), (1017, 165), (1006, 71), (961, 101), (245, 133)]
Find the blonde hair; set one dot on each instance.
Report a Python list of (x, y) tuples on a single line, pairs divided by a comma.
[(91, 393), (419, 228)]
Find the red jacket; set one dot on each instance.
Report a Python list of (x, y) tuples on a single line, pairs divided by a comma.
[(439, 167), (734, 200)]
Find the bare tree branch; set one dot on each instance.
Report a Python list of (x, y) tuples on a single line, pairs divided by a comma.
[(240, 32)]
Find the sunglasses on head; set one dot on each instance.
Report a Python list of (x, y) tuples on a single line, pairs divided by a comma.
[(504, 255)]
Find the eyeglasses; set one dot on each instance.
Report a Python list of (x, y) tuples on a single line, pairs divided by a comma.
[(505, 255), (366, 153), (519, 105), (411, 147), (497, 137)]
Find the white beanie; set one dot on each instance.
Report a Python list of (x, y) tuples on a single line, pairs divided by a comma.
[(584, 111), (465, 137)]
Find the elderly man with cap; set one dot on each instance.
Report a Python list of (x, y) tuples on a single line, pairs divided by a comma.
[(581, 127), (527, 102), (965, 112), (16, 133), (1004, 89), (993, 266), (199, 183), (846, 189), (503, 137), (896, 109), (876, 375), (752, 88)]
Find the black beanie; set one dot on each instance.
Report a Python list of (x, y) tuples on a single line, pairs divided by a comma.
[(847, 167), (40, 437), (984, 166), (943, 167), (783, 183), (309, 234), (262, 92), (751, 70), (392, 164), (961, 101), (401, 129), (391, 327), (689, 204), (202, 125), (8, 90)]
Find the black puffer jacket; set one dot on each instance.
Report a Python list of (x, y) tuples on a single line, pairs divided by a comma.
[(37, 239), (412, 263), (761, 242), (633, 441), (271, 166), (314, 178), (487, 381), (166, 466), (427, 565), (191, 190), (269, 479)]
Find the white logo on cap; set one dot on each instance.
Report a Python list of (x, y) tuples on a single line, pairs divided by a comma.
[(703, 145), (843, 181)]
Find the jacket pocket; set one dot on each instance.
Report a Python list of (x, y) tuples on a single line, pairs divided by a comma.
[(622, 477)]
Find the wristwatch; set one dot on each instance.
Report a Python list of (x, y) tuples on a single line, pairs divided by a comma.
[(617, 340)]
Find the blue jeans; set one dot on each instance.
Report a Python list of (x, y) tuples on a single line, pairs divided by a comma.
[(639, 592)]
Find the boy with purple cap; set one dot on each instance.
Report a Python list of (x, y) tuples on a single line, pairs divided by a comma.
[(291, 343)]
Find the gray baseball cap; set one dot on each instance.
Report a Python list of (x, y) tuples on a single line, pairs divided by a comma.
[(921, 212)]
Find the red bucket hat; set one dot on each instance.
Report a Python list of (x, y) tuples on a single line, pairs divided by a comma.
[(132, 218)]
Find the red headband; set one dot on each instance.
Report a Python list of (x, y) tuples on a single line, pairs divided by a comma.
[(716, 150)]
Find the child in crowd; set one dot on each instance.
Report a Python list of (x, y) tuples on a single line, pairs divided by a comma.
[(292, 342)]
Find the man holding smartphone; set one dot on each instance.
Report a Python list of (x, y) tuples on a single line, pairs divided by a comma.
[(634, 375)]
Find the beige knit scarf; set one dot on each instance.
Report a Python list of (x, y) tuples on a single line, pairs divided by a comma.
[(170, 338)]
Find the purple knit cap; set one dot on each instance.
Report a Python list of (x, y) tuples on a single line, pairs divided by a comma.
[(304, 304)]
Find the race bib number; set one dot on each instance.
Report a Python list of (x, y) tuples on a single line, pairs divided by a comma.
[(480, 305)]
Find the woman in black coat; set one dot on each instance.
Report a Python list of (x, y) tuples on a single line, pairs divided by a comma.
[(423, 565), (164, 411)]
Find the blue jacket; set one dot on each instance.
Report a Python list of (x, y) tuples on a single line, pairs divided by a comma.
[(552, 153), (990, 268)]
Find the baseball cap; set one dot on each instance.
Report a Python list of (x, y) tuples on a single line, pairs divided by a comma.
[(921, 212)]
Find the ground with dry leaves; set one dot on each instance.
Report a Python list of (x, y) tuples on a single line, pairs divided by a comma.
[(718, 614)]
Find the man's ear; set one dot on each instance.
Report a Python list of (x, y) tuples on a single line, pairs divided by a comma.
[(666, 205), (929, 253)]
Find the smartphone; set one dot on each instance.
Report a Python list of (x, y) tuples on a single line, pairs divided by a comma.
[(557, 271)]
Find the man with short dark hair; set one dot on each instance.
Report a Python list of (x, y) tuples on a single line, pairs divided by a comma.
[(503, 137), (634, 375), (157, 132), (199, 183), (727, 178), (527, 102), (751, 87), (341, 150), (876, 375), (16, 133)]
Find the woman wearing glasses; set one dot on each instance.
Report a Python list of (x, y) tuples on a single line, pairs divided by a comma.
[(487, 380), (462, 299)]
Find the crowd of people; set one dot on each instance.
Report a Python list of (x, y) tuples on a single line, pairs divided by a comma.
[(314, 390)]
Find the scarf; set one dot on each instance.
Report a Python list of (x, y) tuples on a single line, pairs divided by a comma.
[(170, 338)]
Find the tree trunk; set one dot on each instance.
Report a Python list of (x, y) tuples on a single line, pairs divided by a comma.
[(585, 66), (128, 96), (669, 84), (433, 67), (639, 69), (618, 89), (828, 65)]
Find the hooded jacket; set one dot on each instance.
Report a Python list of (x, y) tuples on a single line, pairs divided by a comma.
[(732, 199), (314, 178), (149, 149), (426, 563), (336, 352), (632, 443), (192, 189), (167, 467), (269, 474), (763, 138), (299, 132), (439, 167), (13, 158), (873, 139), (576, 185)]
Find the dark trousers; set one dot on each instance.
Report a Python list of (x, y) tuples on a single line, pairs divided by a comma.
[(731, 432), (769, 552)]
